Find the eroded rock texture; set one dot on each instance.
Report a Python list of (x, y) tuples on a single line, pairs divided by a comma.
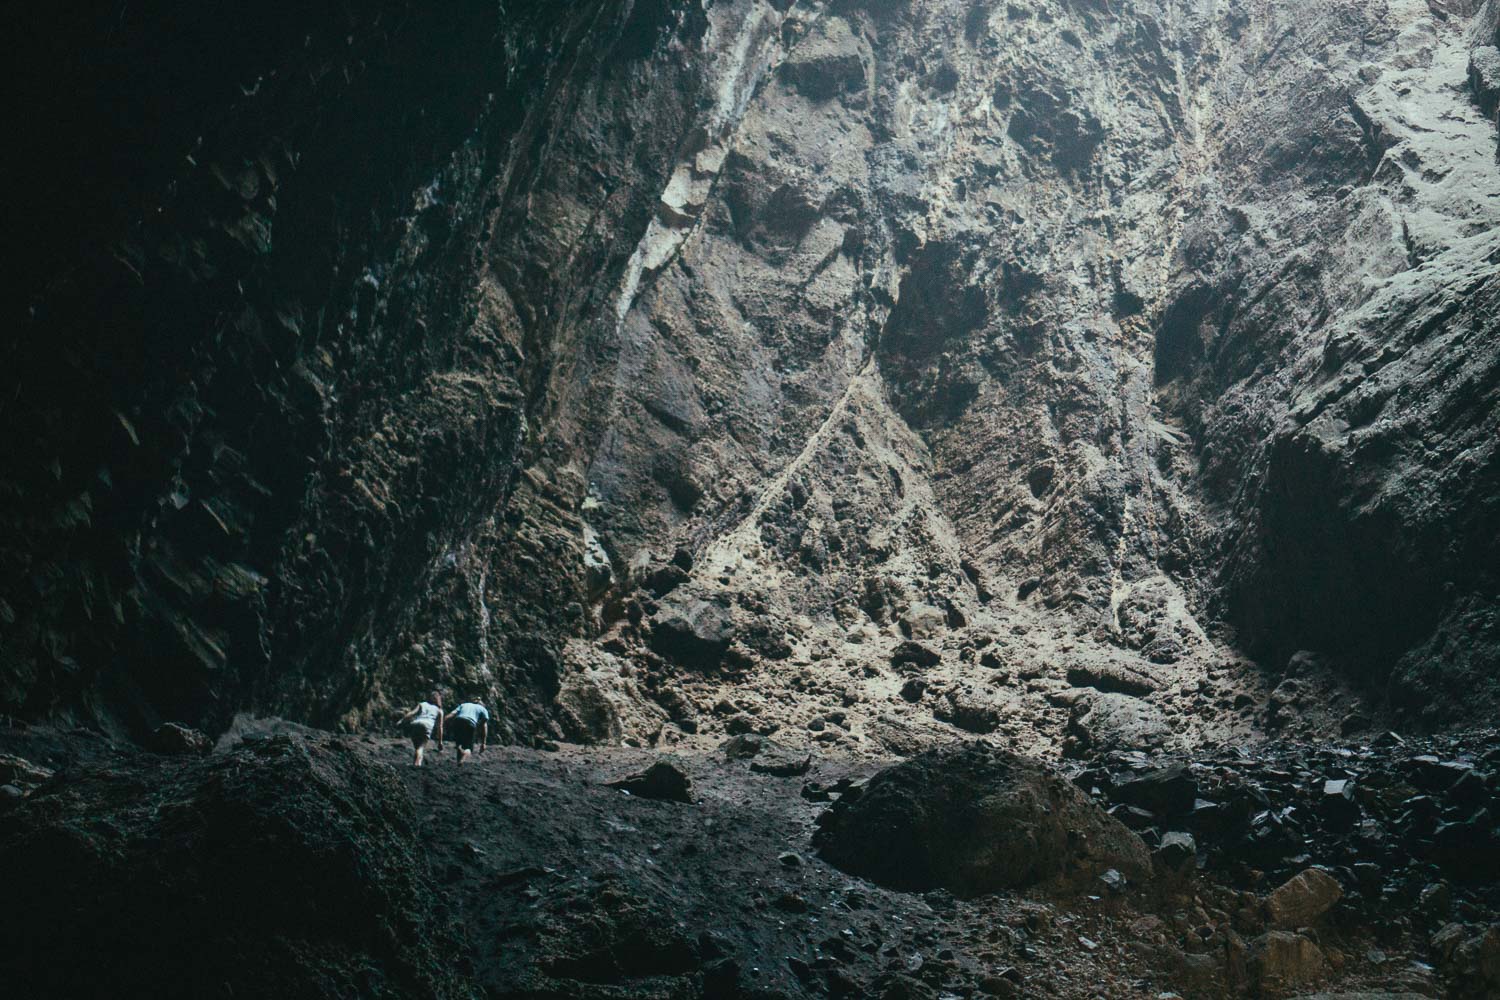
[(615, 349)]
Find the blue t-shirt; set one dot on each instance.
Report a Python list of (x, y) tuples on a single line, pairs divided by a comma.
[(473, 713)]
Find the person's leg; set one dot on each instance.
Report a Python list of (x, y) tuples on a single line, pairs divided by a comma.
[(419, 742), (462, 735)]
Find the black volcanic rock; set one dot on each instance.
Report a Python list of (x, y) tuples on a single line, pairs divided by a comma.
[(663, 780), (286, 867), (973, 820)]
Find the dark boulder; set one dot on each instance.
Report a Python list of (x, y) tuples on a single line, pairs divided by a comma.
[(1166, 791), (1116, 678), (974, 819), (910, 653), (694, 633), (662, 780)]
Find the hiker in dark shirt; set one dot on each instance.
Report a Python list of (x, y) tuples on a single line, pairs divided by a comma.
[(467, 722)]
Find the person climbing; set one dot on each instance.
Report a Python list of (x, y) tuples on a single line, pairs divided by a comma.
[(419, 725), (469, 719)]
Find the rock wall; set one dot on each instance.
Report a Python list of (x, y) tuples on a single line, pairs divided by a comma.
[(586, 349)]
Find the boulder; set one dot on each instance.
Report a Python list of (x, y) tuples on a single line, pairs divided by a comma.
[(767, 756), (1165, 791), (781, 762), (923, 621), (974, 819), (1469, 956), (744, 746), (911, 653), (1177, 850), (1302, 899), (663, 780), (695, 633), (1484, 77), (1280, 960), (1104, 721)]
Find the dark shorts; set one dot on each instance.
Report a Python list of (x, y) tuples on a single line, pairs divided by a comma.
[(462, 732), (417, 733)]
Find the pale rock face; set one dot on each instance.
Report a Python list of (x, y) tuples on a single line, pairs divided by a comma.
[(1146, 340)]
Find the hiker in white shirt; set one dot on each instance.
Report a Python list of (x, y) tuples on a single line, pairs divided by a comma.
[(423, 723)]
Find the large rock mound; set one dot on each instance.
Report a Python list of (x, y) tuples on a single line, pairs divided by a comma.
[(974, 819), (285, 868)]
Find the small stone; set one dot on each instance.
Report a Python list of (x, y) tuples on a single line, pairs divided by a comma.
[(790, 902), (1177, 850), (1354, 722), (1114, 881), (996, 986), (1146, 925), (1368, 874)]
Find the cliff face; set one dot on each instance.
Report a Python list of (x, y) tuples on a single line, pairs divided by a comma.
[(619, 358)]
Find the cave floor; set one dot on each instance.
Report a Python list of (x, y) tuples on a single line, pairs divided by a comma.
[(569, 887), (565, 886)]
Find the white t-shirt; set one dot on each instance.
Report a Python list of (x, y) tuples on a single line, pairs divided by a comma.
[(427, 716)]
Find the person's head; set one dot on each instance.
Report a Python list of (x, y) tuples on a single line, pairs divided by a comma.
[(436, 697)]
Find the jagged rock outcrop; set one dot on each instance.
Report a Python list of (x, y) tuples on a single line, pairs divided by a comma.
[(748, 341), (285, 867)]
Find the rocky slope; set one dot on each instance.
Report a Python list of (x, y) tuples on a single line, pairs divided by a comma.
[(643, 362)]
